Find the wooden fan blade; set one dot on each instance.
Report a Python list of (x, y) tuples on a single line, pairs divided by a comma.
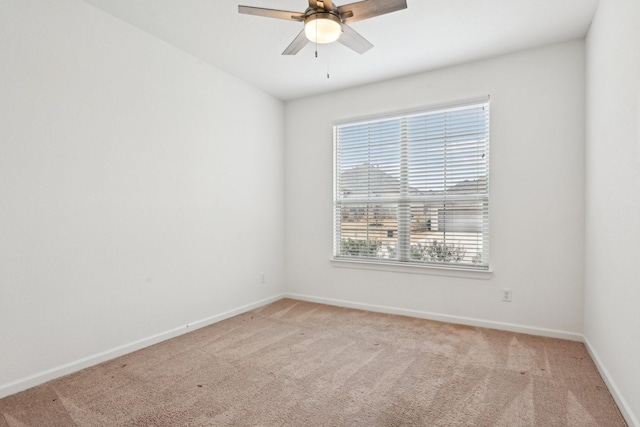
[(297, 44), (368, 9), (328, 5), (354, 41), (272, 13), (313, 4)]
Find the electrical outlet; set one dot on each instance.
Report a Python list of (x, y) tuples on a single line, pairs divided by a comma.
[(506, 294), (263, 277)]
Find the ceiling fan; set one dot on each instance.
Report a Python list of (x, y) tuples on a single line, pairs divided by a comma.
[(324, 22)]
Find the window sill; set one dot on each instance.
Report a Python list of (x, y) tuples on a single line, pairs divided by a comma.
[(397, 267)]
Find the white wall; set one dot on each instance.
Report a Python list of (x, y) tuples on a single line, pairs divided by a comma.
[(612, 294), (141, 190), (537, 195)]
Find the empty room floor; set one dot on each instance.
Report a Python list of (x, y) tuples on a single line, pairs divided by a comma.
[(294, 363)]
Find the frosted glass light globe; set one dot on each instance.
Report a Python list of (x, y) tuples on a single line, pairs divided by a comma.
[(322, 28)]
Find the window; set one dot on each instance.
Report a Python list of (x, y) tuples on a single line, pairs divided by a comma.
[(414, 188)]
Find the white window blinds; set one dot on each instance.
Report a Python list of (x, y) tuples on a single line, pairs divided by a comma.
[(414, 188)]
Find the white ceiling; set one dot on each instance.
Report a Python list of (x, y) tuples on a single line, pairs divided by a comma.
[(428, 34)]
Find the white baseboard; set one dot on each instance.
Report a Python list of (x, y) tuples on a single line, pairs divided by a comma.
[(59, 371), (622, 403), (469, 321)]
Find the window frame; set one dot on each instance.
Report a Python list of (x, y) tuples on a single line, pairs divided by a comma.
[(404, 262)]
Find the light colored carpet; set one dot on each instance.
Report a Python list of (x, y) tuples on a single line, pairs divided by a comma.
[(295, 363)]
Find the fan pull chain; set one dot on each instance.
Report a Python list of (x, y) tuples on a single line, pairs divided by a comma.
[(316, 50)]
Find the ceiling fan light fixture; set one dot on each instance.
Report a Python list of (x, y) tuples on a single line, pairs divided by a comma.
[(322, 27)]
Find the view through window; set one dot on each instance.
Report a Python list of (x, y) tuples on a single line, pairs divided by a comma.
[(414, 188)]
